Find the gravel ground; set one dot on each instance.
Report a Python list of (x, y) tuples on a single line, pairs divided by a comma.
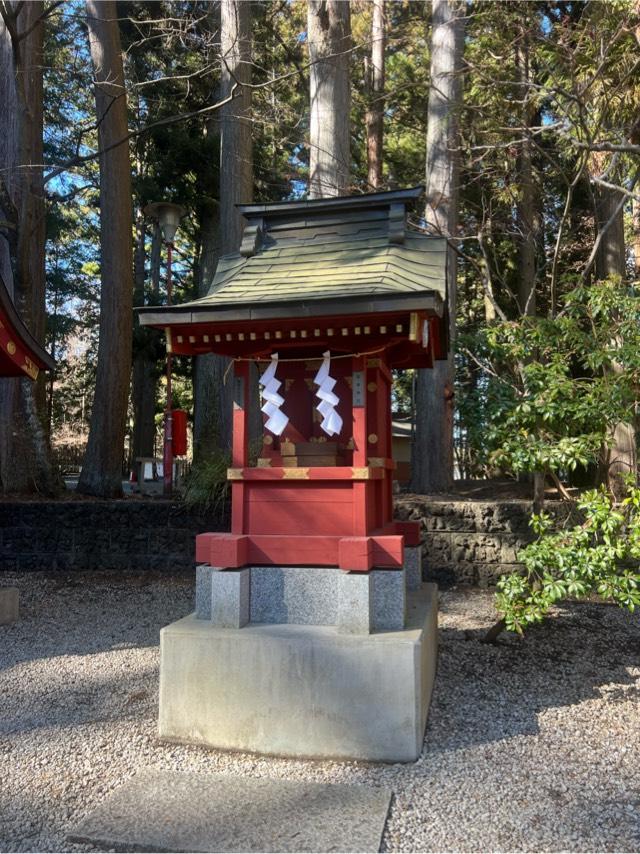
[(531, 745)]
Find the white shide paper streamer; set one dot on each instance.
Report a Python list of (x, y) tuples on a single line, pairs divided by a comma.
[(276, 420), (331, 421)]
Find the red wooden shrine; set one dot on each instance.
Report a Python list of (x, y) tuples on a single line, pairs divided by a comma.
[(339, 275), (20, 353)]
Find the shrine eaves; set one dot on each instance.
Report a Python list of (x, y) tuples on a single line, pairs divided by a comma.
[(20, 354), (342, 274)]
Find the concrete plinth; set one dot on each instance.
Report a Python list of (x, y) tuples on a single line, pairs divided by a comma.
[(9, 605), (301, 690)]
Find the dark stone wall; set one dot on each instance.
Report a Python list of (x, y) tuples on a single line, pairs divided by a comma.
[(464, 542), (470, 542), (107, 535)]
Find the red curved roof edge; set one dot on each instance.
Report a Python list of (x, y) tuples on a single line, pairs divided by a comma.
[(20, 354)]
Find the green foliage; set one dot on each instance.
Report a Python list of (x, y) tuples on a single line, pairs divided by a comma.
[(551, 391), (599, 557), (206, 487)]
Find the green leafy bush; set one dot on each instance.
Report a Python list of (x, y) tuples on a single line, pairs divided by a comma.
[(599, 556)]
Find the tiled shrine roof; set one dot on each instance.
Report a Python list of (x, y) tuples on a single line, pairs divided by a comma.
[(322, 250)]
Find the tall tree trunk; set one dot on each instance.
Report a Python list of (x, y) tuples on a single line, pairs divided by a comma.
[(528, 214), (621, 457), (375, 89), (432, 453), (143, 375), (102, 469), (236, 163), (329, 37), (221, 234), (211, 421), (24, 453)]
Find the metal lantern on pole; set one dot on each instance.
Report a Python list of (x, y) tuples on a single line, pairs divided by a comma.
[(168, 216)]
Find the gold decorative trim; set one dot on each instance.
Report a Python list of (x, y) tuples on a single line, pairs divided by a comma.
[(30, 369), (11, 348), (377, 462), (372, 438), (372, 386), (264, 462), (413, 326), (361, 473), (374, 363), (234, 474), (268, 440), (295, 474)]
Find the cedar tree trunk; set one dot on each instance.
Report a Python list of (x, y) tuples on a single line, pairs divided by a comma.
[(102, 469), (432, 453), (329, 36), (24, 453), (375, 84)]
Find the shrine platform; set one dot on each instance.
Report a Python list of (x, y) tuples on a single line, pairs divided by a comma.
[(304, 691)]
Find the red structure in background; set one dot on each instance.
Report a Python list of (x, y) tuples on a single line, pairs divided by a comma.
[(340, 275), (20, 353)]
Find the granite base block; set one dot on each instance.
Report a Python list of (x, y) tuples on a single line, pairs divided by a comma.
[(413, 567), (230, 598), (355, 603), (203, 591), (9, 605), (301, 691), (293, 594), (389, 593)]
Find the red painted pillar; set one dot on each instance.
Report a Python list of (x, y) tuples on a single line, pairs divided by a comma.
[(240, 442)]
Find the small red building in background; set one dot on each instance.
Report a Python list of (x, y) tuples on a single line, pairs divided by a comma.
[(343, 292)]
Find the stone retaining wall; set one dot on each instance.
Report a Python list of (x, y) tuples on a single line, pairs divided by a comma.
[(470, 542), (107, 535), (464, 542)]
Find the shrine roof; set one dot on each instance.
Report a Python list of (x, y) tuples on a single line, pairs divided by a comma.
[(314, 253), (20, 354)]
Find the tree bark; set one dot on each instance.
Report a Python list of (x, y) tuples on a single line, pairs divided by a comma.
[(143, 375), (528, 213), (621, 457), (102, 469), (236, 163), (24, 452), (212, 415), (432, 452), (375, 85), (329, 37), (221, 233)]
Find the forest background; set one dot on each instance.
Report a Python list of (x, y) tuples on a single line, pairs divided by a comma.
[(521, 119)]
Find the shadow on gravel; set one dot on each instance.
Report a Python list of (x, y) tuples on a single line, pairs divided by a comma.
[(488, 693), (89, 613)]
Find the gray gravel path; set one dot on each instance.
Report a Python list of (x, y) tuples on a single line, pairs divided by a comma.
[(530, 746)]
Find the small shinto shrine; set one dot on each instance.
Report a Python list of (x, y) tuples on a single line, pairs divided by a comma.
[(325, 298), (20, 353)]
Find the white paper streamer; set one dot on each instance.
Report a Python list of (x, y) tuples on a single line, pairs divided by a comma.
[(331, 421), (276, 420)]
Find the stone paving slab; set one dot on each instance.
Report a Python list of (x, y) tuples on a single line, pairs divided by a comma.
[(174, 812)]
